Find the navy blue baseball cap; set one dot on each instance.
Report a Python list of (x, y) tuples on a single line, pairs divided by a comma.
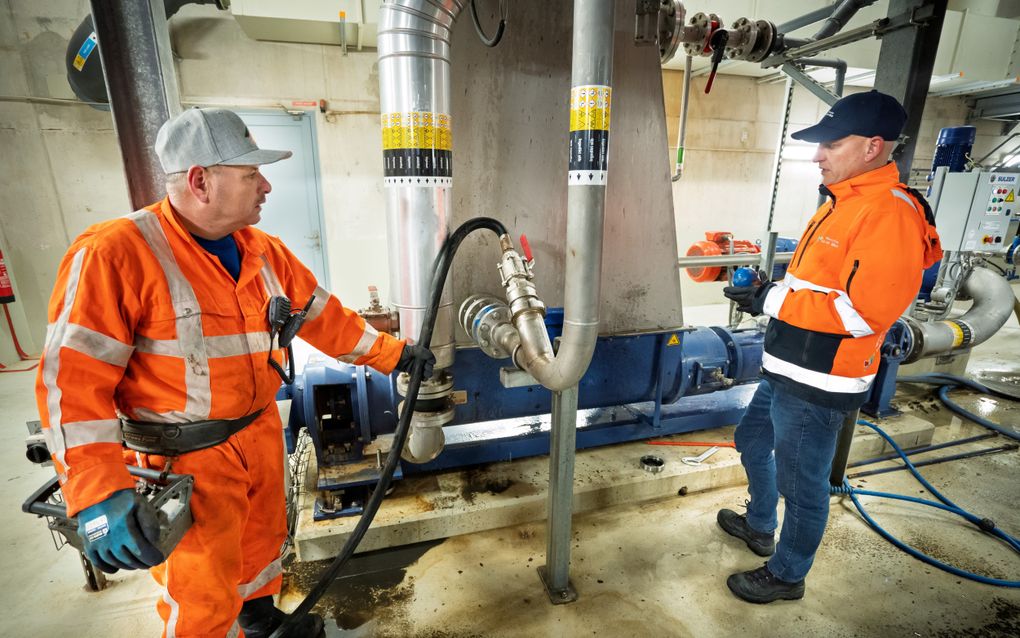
[(869, 114)]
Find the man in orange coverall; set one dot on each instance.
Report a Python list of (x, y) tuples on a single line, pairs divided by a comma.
[(158, 322), (857, 268)]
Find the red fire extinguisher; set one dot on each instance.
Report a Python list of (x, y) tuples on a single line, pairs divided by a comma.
[(6, 297), (6, 291)]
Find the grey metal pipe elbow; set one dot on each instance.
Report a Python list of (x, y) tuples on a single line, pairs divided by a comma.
[(561, 370), (993, 304)]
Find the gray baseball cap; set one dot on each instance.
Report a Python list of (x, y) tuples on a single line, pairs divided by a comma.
[(209, 137)]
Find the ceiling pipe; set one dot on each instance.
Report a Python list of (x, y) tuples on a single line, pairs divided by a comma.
[(841, 14)]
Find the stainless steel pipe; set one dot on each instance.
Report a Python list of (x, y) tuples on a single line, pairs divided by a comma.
[(414, 94), (592, 70), (993, 304), (740, 259)]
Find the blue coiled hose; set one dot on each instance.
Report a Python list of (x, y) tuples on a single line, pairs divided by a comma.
[(950, 381), (983, 524)]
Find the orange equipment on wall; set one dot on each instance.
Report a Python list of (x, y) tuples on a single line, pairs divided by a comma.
[(717, 243)]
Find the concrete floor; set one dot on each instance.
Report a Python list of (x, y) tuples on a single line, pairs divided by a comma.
[(648, 568)]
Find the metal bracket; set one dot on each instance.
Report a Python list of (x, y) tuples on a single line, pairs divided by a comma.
[(808, 82), (560, 596)]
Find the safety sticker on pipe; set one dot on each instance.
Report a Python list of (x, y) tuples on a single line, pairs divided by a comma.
[(589, 135), (417, 149)]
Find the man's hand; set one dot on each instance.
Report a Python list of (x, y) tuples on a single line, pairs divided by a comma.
[(749, 299), (120, 532), (412, 353)]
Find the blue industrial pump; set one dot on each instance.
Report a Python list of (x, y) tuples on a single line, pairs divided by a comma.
[(637, 387)]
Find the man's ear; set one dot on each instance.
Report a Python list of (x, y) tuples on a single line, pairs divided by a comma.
[(876, 146), (198, 183)]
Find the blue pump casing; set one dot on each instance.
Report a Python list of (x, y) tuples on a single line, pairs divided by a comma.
[(637, 386)]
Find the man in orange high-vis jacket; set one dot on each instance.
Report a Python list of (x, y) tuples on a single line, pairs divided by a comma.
[(857, 268), (158, 321)]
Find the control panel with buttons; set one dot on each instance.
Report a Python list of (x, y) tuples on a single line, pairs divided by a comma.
[(978, 211)]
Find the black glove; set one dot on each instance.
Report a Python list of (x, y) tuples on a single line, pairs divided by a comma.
[(412, 353), (749, 299)]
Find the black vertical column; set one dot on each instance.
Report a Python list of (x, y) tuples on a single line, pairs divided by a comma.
[(905, 63)]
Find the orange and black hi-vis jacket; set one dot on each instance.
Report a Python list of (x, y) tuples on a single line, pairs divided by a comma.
[(144, 323), (857, 268)]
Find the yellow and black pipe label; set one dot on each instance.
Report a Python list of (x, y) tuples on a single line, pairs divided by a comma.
[(417, 149), (589, 135)]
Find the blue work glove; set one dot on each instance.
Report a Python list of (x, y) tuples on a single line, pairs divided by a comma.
[(412, 353), (749, 299), (120, 532)]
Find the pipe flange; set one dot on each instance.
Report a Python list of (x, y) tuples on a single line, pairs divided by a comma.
[(653, 464), (439, 386), (743, 38), (702, 26), (671, 25), (435, 419), (764, 42)]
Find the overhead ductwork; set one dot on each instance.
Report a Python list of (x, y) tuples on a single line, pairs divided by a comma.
[(84, 68)]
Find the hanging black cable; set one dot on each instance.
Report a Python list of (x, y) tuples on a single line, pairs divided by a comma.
[(494, 40), (440, 270)]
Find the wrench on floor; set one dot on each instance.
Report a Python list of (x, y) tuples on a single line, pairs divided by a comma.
[(698, 460)]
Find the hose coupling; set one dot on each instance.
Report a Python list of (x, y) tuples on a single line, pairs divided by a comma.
[(517, 277)]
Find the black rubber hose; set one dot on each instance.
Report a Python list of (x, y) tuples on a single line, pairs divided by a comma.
[(486, 40), (440, 270)]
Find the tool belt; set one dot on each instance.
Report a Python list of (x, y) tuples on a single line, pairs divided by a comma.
[(174, 439)]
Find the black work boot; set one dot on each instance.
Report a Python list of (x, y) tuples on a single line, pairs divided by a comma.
[(761, 586), (761, 543), (259, 618)]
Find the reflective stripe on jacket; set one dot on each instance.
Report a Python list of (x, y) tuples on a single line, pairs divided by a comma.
[(857, 268), (144, 322)]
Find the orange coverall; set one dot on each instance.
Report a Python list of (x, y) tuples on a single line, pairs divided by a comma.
[(144, 323)]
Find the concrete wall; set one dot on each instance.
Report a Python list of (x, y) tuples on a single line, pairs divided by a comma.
[(60, 169)]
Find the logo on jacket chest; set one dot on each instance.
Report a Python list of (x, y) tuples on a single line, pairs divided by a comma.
[(831, 242)]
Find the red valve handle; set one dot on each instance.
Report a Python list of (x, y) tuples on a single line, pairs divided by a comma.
[(526, 247)]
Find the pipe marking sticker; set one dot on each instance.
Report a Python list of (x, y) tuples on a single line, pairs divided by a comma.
[(86, 49), (417, 149), (957, 333), (590, 107)]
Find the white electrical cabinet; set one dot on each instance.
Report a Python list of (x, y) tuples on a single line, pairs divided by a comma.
[(978, 211)]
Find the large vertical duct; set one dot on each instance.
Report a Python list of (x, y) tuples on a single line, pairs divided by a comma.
[(135, 49), (414, 85)]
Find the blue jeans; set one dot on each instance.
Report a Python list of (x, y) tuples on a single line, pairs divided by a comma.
[(786, 445)]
